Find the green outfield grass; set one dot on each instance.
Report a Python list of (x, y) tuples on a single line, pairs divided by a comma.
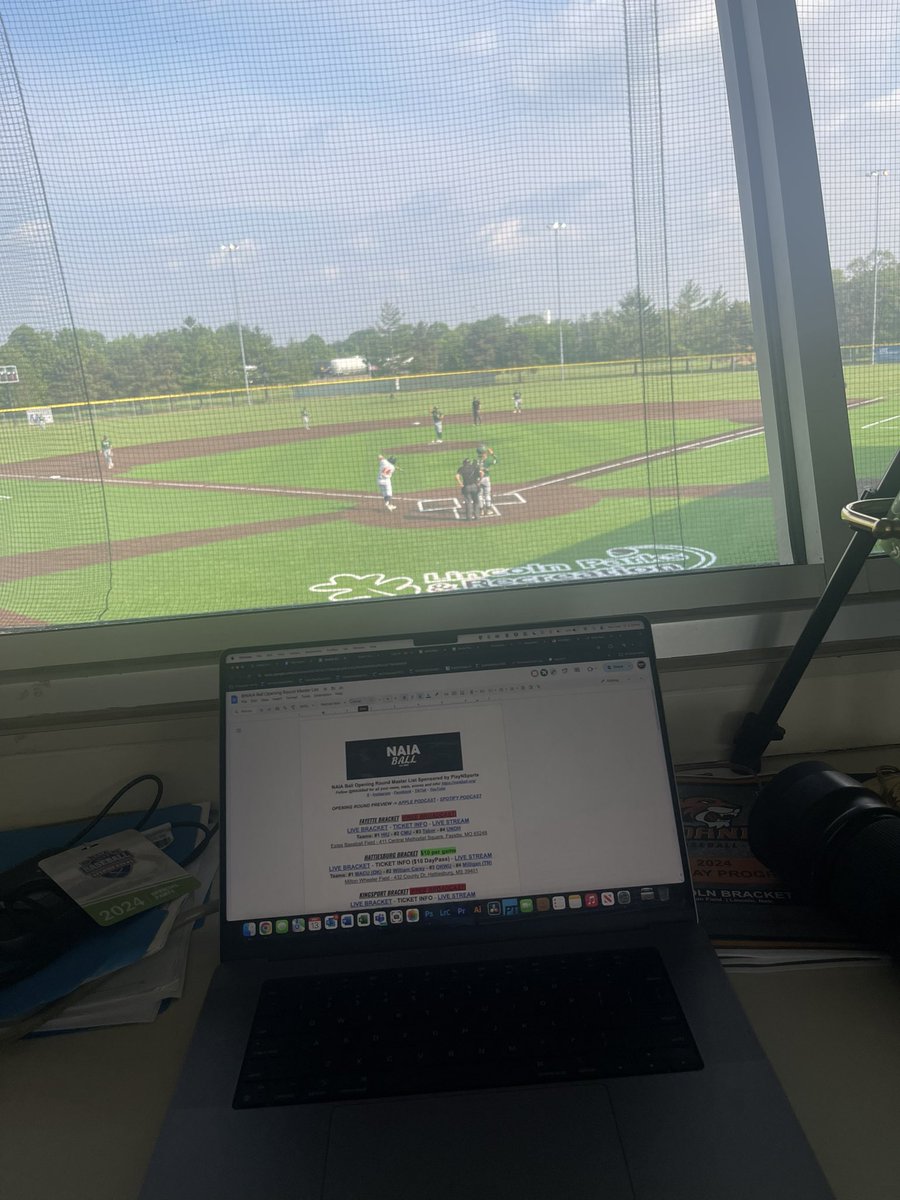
[(635, 506)]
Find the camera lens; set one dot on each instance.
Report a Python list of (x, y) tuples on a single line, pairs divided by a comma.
[(835, 844)]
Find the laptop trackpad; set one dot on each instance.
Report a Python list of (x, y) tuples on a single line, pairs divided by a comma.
[(528, 1143)]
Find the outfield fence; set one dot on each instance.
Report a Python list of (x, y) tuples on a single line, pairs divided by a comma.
[(862, 356), (314, 391)]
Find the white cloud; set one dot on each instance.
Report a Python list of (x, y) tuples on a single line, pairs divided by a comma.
[(388, 143), (32, 233), (689, 26), (173, 241), (480, 44), (888, 103), (504, 237)]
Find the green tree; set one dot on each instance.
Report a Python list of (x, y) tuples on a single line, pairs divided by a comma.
[(425, 339), (708, 324), (317, 350), (131, 366), (260, 351), (688, 319), (199, 356), (633, 329), (854, 295), (296, 363), (34, 353), (390, 329), (56, 367)]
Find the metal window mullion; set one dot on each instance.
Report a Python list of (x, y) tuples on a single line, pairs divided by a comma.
[(789, 272)]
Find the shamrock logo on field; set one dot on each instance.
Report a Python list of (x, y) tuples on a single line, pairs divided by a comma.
[(365, 587)]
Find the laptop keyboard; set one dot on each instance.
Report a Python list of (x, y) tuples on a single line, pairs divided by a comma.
[(447, 1028)]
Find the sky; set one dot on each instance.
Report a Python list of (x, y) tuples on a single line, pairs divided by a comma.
[(412, 151)]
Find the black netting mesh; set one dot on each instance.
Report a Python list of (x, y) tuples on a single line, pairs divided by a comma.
[(251, 248), (852, 54)]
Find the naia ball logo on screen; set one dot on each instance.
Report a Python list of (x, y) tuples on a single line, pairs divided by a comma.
[(406, 754)]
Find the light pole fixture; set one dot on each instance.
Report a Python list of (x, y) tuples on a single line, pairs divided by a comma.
[(557, 227), (230, 249), (877, 176)]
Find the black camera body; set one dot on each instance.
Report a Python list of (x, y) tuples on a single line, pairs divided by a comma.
[(836, 844)]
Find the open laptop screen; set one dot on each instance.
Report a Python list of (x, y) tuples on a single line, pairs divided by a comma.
[(463, 779)]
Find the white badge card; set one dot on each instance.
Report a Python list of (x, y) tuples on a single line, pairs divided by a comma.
[(119, 876)]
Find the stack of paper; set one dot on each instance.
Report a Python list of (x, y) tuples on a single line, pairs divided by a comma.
[(138, 993), (751, 917), (131, 969)]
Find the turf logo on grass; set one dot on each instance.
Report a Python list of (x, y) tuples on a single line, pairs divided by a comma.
[(618, 561), (641, 560), (366, 587)]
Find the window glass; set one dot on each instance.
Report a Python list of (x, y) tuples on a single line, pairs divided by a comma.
[(852, 57), (290, 293)]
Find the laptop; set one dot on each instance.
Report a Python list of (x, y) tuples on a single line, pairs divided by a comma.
[(460, 953)]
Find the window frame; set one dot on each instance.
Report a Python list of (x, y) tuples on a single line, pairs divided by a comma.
[(807, 435)]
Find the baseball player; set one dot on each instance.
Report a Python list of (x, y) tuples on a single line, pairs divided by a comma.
[(386, 468)]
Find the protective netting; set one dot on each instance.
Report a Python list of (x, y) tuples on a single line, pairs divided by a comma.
[(852, 54), (250, 248)]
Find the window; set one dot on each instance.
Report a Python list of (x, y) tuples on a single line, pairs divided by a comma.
[(248, 257), (852, 57)]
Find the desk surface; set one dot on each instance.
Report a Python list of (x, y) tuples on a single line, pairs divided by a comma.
[(82, 1111)]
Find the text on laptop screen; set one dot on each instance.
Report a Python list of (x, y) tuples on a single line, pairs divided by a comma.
[(496, 772)]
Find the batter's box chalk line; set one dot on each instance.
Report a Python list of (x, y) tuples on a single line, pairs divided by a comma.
[(454, 505)]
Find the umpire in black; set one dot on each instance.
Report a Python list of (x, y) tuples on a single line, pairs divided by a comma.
[(468, 477)]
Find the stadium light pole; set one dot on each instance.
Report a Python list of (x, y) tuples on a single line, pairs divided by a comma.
[(877, 176), (230, 249), (557, 227)]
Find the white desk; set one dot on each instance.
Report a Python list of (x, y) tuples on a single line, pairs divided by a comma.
[(79, 1113)]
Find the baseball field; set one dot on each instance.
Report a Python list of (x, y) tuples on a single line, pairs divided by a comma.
[(214, 504)]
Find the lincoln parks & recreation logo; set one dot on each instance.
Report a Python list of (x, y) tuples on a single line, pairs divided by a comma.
[(616, 563)]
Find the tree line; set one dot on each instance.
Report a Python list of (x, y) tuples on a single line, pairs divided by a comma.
[(195, 357), (857, 300)]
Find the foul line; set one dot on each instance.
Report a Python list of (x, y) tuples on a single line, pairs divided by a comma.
[(703, 444), (203, 487), (883, 421), (637, 459)]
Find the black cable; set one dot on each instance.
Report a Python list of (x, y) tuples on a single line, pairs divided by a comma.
[(208, 832), (82, 834)]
